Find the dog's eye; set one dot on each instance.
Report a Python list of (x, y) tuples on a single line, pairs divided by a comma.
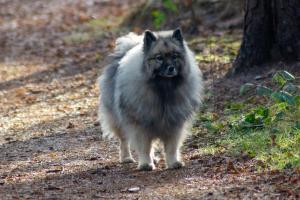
[(175, 56), (159, 58)]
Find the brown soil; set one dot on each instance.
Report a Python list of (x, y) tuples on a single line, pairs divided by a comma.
[(51, 145)]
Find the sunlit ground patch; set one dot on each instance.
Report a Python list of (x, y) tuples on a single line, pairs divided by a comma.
[(16, 70), (216, 49)]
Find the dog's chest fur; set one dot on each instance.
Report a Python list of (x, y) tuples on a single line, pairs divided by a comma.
[(162, 107)]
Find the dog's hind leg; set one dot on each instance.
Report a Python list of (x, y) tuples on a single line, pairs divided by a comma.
[(155, 152)]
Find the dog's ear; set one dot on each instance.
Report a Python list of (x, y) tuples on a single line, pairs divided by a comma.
[(149, 38), (177, 35)]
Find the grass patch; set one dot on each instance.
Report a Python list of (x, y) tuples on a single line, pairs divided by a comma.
[(213, 58), (93, 29), (222, 49), (265, 126), (276, 151), (104, 23), (77, 38)]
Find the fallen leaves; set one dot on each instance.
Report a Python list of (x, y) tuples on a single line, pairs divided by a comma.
[(273, 140), (70, 125), (20, 92), (230, 167), (52, 155), (26, 94), (30, 99)]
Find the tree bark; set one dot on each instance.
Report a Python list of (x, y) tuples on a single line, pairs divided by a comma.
[(271, 32)]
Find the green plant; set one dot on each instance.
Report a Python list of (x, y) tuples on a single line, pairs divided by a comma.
[(159, 16), (266, 126), (283, 100)]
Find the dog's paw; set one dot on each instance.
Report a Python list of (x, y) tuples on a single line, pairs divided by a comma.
[(127, 160), (176, 165), (146, 167)]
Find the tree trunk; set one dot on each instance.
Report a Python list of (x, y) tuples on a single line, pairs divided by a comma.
[(271, 32)]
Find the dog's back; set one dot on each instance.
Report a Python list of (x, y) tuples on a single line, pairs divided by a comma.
[(108, 79)]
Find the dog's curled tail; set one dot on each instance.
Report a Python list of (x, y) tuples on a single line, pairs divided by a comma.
[(125, 43)]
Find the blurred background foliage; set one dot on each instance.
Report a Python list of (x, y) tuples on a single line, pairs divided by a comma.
[(189, 14)]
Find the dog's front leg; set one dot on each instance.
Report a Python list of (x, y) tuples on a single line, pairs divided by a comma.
[(143, 147), (125, 155), (172, 152)]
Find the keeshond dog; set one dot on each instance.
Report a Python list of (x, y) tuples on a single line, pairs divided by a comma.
[(150, 91)]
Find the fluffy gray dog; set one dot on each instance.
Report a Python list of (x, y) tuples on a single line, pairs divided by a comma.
[(150, 92)]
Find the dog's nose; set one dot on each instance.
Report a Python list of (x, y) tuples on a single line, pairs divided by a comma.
[(171, 69)]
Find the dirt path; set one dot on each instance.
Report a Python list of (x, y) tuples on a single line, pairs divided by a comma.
[(50, 141)]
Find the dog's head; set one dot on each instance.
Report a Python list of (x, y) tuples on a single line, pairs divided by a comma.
[(164, 54)]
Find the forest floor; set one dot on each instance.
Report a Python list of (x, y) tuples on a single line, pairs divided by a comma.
[(50, 141)]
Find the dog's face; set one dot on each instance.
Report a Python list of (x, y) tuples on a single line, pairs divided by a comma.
[(164, 54)]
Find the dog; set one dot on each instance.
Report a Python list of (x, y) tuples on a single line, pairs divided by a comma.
[(150, 91)]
